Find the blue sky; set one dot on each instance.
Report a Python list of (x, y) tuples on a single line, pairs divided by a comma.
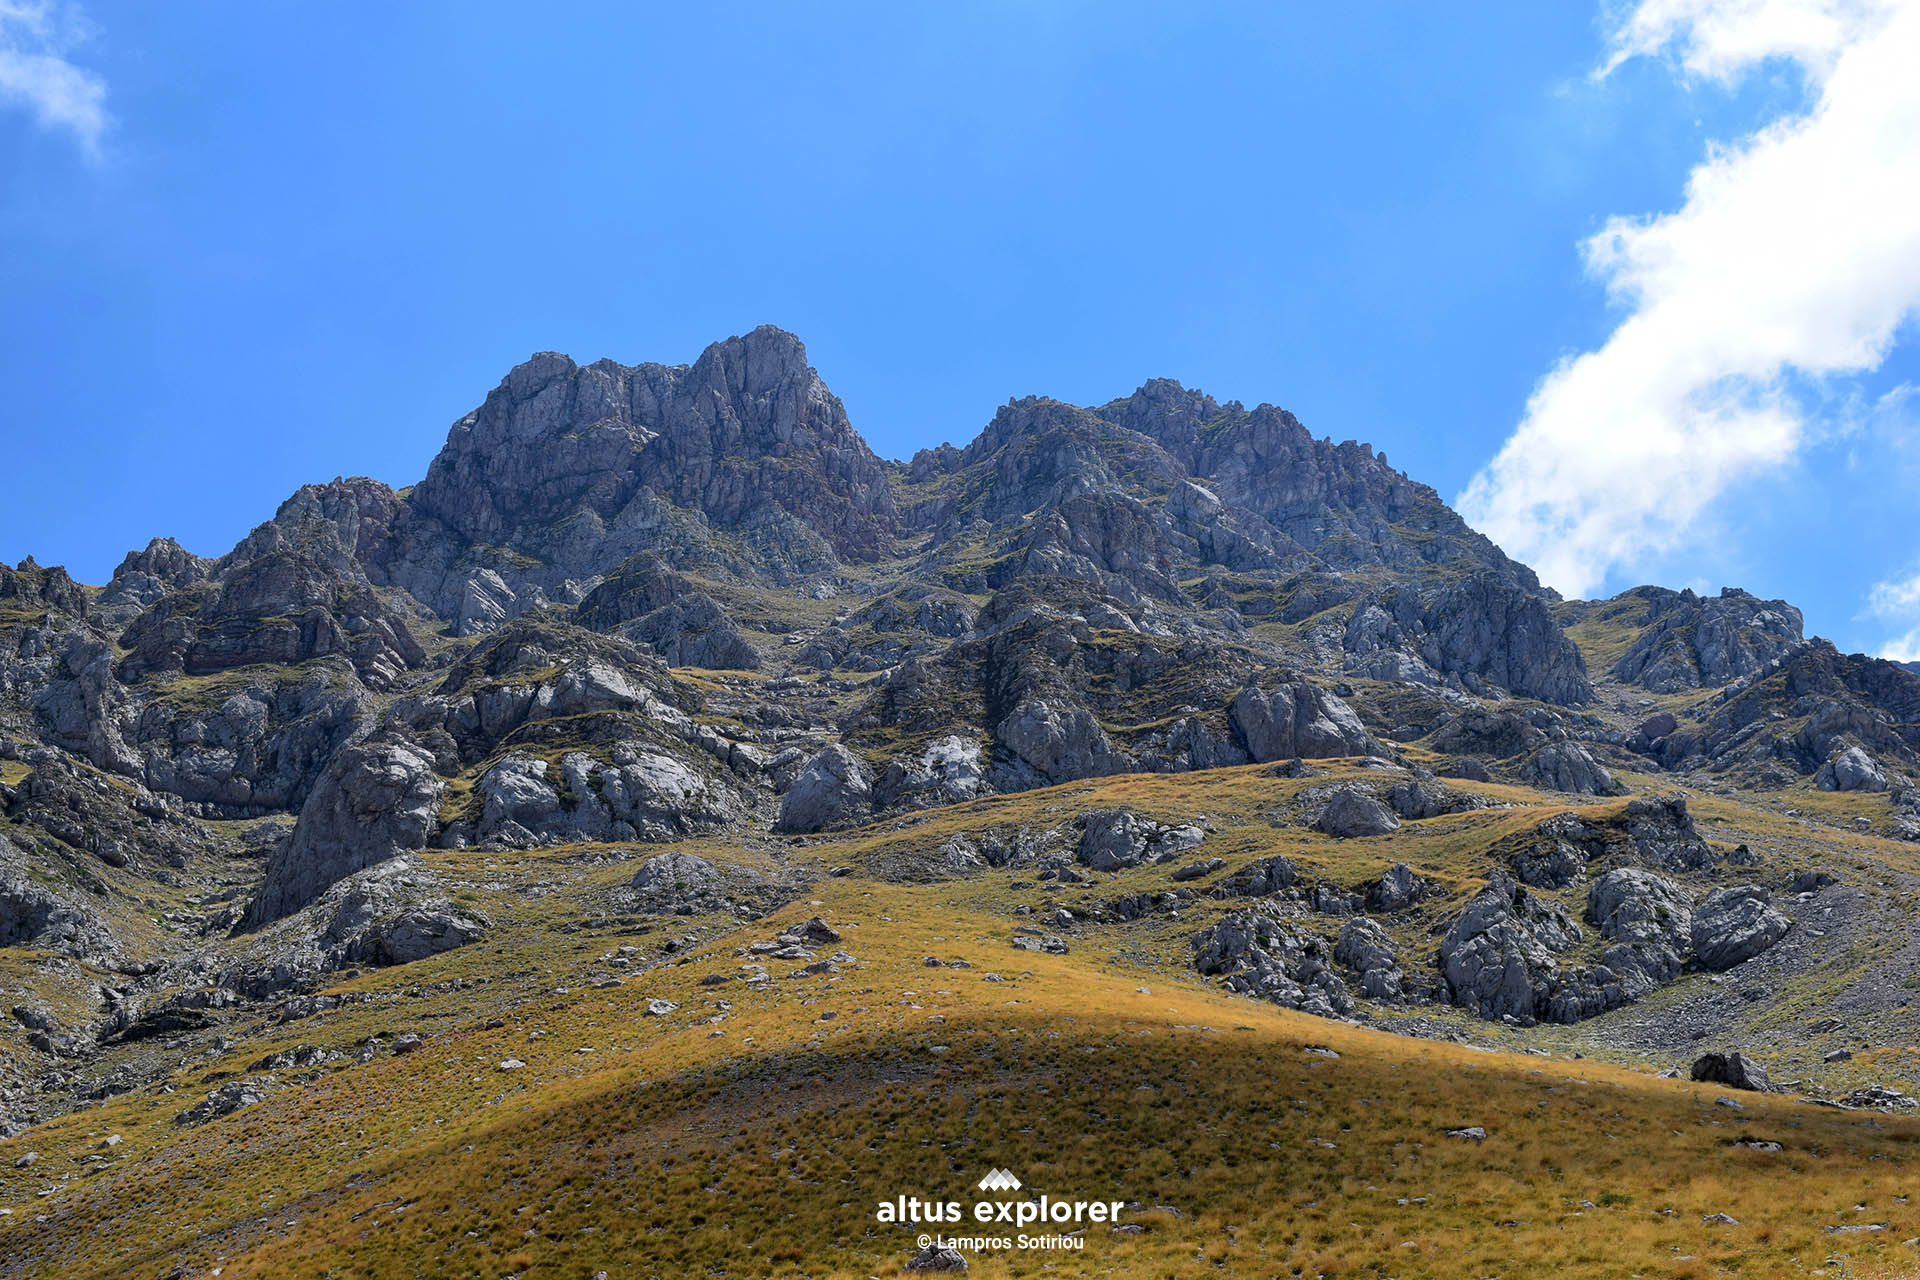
[(254, 245)]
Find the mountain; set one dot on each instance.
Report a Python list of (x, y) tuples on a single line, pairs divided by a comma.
[(657, 663)]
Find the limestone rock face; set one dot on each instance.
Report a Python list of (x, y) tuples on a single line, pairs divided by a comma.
[(1568, 766), (376, 801), (1398, 889), (390, 912), (281, 608), (946, 771), (1702, 642), (645, 601), (1366, 948), (33, 914), (642, 793), (694, 631), (1838, 703), (1059, 744), (29, 586), (1488, 630), (1631, 905)]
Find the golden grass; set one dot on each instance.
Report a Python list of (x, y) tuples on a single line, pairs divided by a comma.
[(760, 1144), (672, 1151)]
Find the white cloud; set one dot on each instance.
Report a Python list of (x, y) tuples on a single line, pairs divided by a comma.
[(36, 75), (1793, 259), (1897, 600)]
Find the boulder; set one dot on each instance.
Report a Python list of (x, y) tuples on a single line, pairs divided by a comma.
[(1353, 811), (1260, 879), (1423, 798), (1397, 890), (1850, 770), (935, 1258), (1199, 870), (1735, 924), (1735, 1070), (834, 790), (1567, 766)]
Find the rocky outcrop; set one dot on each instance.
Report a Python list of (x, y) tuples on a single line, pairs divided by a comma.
[(1662, 834), (1295, 719), (681, 883), (1631, 905), (1115, 839), (1803, 710), (1285, 497), (33, 914), (1059, 744), (29, 587), (1501, 958), (638, 793), (1487, 630), (1261, 878), (1703, 642), (1256, 954), (1369, 951), (1567, 766), (571, 462), (646, 602), (946, 771), (834, 790), (284, 607), (391, 912), (1647, 917), (377, 800), (1397, 890), (1497, 735), (145, 576), (694, 631)]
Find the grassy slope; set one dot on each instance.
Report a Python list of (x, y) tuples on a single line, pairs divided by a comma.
[(669, 1150)]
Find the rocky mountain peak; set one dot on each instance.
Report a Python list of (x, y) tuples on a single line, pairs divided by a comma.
[(747, 432)]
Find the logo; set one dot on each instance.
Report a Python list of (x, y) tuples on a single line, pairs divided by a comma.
[(1064, 1220)]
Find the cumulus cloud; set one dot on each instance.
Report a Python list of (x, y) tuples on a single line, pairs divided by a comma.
[(1792, 261), (35, 39), (1897, 600)]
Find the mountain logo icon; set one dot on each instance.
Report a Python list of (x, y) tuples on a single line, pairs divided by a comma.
[(999, 1180)]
